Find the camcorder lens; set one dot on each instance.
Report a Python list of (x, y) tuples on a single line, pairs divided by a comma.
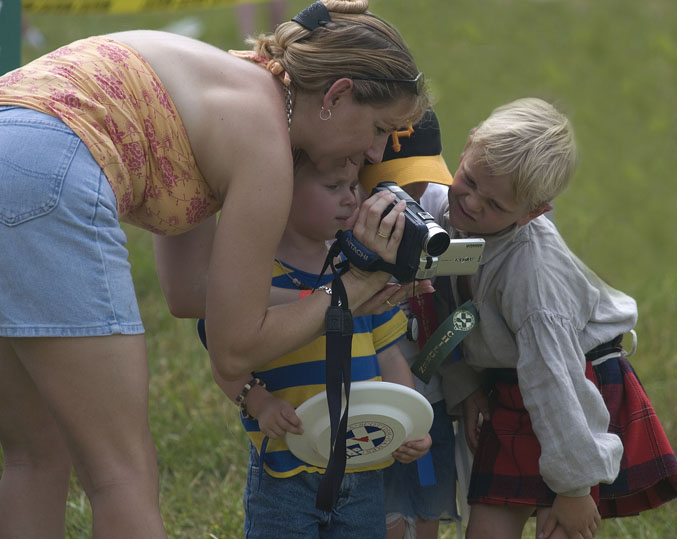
[(437, 241)]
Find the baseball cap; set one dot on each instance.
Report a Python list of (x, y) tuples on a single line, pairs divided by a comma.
[(412, 155)]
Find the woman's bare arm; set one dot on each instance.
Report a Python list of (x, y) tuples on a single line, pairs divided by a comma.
[(182, 262)]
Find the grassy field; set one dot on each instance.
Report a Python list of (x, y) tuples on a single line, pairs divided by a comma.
[(612, 64)]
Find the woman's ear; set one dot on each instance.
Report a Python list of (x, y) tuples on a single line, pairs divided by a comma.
[(540, 210), (341, 89)]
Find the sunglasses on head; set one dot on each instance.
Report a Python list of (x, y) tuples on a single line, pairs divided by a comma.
[(418, 81)]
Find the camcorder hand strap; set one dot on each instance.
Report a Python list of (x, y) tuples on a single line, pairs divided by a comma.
[(339, 338), (360, 256)]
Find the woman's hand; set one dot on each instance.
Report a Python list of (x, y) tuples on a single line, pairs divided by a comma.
[(382, 236), (412, 450), (392, 294)]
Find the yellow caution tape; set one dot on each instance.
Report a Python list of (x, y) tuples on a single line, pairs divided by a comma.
[(117, 6)]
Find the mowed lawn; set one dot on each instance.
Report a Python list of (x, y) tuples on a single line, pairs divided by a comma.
[(611, 64)]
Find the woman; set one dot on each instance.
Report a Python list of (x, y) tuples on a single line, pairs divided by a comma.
[(163, 131)]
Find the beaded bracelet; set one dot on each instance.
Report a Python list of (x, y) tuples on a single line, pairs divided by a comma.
[(239, 400)]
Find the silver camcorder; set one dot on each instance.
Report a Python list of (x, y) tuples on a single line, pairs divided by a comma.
[(462, 257)]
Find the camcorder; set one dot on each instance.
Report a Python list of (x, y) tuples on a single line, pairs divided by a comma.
[(426, 250)]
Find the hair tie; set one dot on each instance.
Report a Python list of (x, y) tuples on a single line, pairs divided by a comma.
[(315, 15), (276, 69)]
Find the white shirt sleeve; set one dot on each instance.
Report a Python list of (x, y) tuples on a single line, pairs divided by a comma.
[(567, 411)]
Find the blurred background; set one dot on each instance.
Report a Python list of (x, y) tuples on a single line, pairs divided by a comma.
[(610, 64)]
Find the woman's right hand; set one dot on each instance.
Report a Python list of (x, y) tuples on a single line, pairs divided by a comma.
[(381, 236)]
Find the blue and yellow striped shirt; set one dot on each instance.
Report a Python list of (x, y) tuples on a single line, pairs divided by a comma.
[(297, 376)]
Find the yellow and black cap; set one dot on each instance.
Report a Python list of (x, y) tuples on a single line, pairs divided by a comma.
[(411, 155)]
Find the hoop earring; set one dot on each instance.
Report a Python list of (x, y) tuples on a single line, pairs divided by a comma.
[(322, 111)]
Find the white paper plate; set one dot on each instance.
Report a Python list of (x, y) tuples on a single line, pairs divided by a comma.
[(381, 418)]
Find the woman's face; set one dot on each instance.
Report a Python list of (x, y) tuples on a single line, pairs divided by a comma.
[(355, 133)]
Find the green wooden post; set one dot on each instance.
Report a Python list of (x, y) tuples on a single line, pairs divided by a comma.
[(10, 35)]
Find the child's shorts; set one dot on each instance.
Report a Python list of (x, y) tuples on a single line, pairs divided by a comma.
[(64, 269), (505, 467), (403, 492), (285, 507)]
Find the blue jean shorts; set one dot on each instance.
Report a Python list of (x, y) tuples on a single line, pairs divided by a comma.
[(64, 269), (403, 491), (284, 508)]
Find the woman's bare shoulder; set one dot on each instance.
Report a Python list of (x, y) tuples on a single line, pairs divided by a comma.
[(227, 105)]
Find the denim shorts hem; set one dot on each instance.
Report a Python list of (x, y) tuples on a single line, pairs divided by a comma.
[(92, 331)]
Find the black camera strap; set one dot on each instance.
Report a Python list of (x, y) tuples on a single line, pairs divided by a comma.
[(339, 339)]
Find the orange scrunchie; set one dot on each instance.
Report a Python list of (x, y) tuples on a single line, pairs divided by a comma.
[(273, 66)]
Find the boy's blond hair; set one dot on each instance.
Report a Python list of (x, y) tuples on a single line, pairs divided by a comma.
[(533, 142), (355, 43)]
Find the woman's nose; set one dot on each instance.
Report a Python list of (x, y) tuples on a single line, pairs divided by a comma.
[(375, 153)]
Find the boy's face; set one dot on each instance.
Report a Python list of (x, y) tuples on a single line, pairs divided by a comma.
[(323, 202), (482, 204)]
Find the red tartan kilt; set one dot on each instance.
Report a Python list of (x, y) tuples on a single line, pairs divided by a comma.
[(505, 466)]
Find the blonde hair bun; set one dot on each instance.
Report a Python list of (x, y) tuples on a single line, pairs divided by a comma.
[(347, 6)]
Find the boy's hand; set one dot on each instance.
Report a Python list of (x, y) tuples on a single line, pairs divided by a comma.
[(412, 450), (578, 517), (474, 406), (276, 417)]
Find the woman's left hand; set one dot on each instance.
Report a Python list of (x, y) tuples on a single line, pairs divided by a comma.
[(392, 294)]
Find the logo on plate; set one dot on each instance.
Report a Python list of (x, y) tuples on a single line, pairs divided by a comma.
[(367, 437)]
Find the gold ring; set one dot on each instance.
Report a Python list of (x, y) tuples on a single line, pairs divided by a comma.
[(382, 235), (388, 302)]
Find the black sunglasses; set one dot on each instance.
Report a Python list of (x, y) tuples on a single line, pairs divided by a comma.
[(418, 81)]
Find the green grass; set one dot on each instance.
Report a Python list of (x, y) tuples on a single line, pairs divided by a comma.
[(612, 64)]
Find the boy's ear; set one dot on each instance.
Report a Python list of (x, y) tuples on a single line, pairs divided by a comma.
[(341, 89), (540, 210)]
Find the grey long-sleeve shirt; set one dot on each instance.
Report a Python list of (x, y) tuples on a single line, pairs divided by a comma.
[(541, 309)]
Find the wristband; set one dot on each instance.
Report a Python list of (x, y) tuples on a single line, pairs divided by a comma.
[(240, 399)]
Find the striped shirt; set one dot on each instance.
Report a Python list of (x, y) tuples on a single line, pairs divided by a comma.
[(297, 376)]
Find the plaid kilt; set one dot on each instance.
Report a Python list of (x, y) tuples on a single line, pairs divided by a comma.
[(505, 466)]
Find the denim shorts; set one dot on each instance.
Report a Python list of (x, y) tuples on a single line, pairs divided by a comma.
[(284, 508), (64, 270), (403, 491)]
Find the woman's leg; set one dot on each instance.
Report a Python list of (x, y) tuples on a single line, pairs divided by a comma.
[(97, 390), (497, 521), (36, 464)]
